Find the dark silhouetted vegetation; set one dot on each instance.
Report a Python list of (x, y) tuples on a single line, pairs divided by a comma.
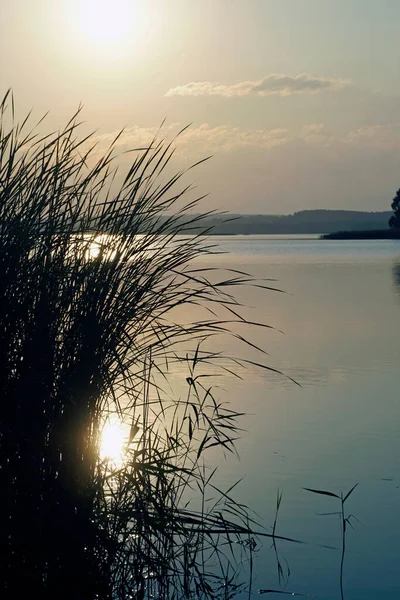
[(302, 222), (394, 220), (379, 234), (345, 522), (90, 327)]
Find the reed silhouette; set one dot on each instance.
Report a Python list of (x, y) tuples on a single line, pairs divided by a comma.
[(90, 280), (345, 522)]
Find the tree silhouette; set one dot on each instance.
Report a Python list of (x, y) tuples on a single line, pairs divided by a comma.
[(394, 220)]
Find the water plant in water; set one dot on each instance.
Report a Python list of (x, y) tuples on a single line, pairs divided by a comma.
[(345, 521), (94, 279)]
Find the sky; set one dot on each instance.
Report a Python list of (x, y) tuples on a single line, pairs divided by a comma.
[(297, 101)]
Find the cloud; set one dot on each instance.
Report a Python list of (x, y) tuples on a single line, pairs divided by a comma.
[(134, 137), (279, 170), (384, 137), (317, 135), (272, 85), (195, 140), (225, 138), (375, 137)]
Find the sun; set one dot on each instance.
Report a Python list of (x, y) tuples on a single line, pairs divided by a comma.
[(108, 27), (106, 21), (112, 442), (98, 32)]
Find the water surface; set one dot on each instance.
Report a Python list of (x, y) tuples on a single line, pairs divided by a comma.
[(340, 314)]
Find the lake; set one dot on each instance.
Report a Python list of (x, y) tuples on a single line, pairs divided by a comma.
[(340, 315)]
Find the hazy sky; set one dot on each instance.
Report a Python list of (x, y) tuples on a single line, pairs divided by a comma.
[(298, 100)]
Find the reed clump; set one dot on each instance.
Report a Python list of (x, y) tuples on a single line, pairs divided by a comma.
[(89, 279)]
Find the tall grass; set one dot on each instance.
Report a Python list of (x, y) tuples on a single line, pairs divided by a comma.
[(91, 281)]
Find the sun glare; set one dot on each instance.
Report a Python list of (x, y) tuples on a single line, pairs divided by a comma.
[(109, 26), (112, 441), (105, 21)]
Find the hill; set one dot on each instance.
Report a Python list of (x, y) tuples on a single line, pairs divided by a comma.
[(302, 222)]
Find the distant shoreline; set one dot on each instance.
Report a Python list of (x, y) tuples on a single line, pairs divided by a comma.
[(377, 234), (302, 222)]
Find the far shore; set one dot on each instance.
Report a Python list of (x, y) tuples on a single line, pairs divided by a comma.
[(372, 234)]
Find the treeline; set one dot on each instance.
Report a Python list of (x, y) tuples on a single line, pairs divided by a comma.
[(366, 234), (302, 222)]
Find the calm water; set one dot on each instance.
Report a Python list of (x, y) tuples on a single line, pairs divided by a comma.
[(341, 323)]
